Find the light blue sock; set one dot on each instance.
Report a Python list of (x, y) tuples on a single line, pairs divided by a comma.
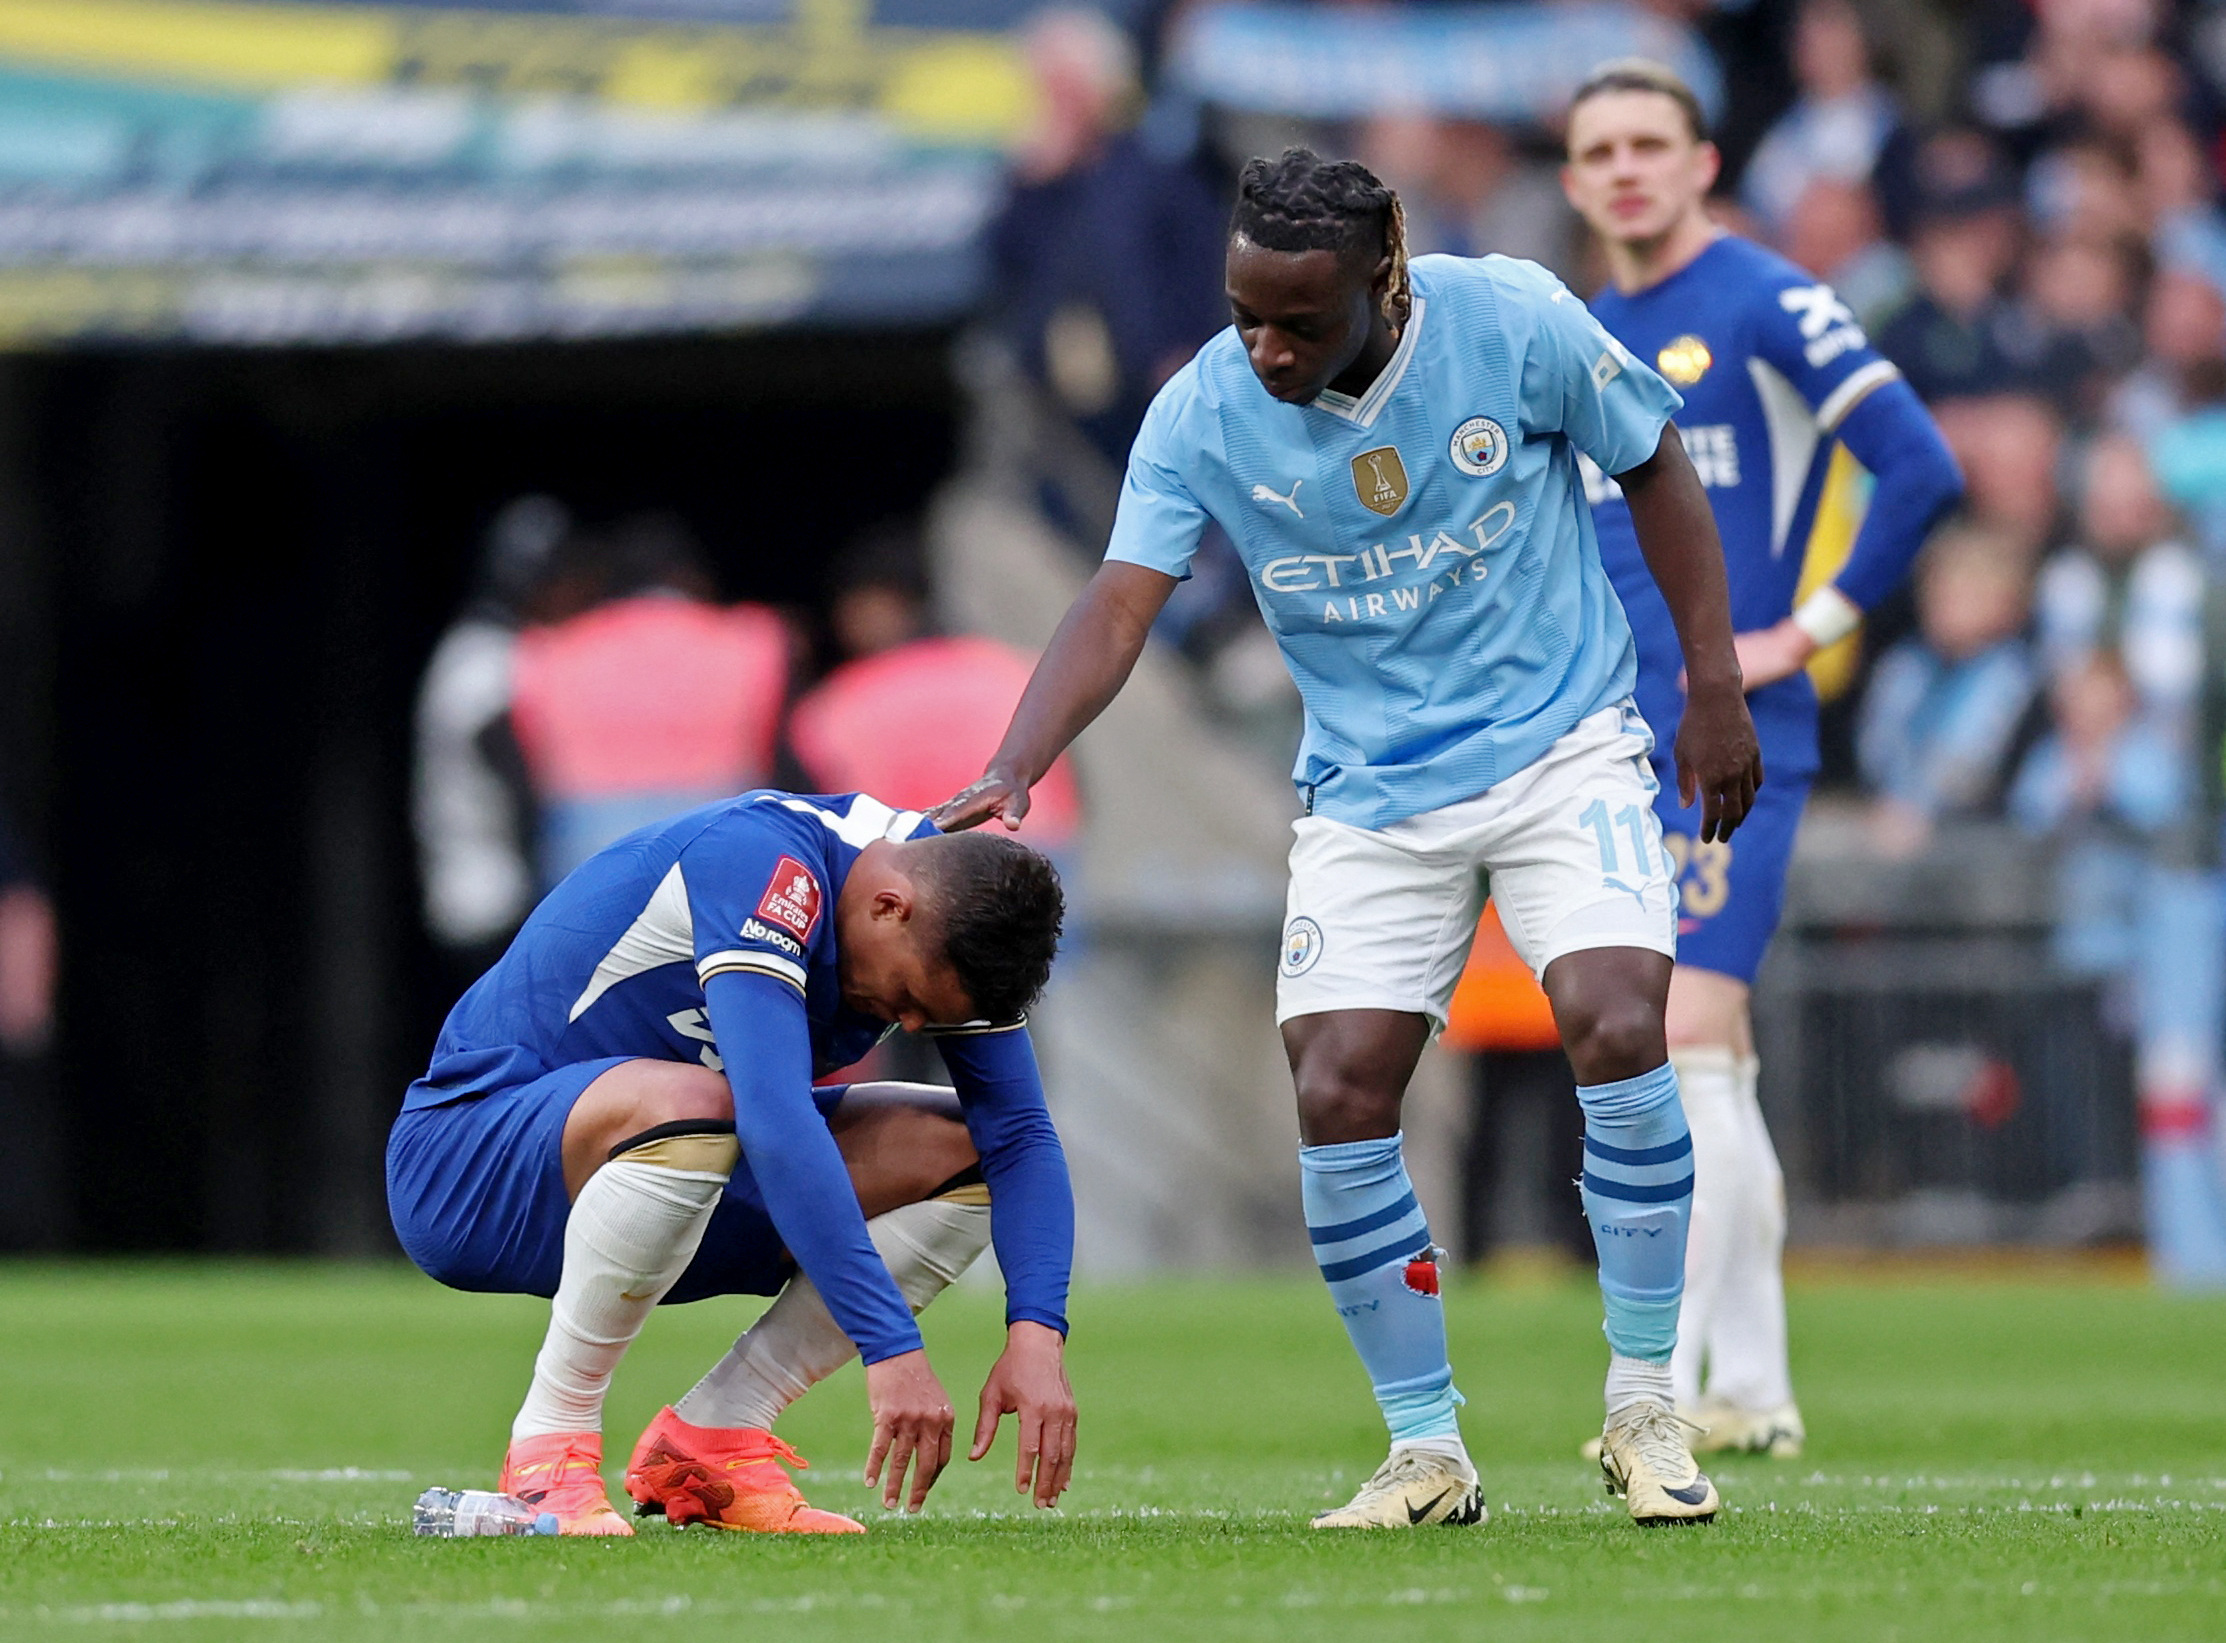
[(1374, 1249), (1638, 1197)]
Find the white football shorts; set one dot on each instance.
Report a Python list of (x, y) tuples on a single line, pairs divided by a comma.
[(1569, 849)]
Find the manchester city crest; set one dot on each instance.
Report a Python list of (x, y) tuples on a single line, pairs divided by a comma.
[(1380, 480), (1302, 945), (1479, 446)]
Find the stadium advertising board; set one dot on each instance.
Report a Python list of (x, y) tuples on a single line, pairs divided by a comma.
[(316, 171)]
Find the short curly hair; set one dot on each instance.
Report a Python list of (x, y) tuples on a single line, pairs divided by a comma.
[(999, 910)]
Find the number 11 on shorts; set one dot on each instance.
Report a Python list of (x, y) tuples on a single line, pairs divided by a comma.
[(1632, 820)]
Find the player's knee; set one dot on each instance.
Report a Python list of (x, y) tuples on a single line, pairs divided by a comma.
[(1340, 1103), (1615, 1041)]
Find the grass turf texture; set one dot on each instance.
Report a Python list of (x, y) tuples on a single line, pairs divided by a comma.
[(188, 1452)]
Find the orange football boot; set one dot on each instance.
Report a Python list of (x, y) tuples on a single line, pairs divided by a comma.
[(727, 1476), (562, 1474)]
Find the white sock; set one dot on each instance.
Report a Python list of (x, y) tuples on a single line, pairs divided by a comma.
[(1708, 1083), (1450, 1447), (1747, 1365), (633, 1230), (1634, 1380), (796, 1342)]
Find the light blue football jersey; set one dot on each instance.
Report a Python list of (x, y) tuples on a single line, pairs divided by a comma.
[(1423, 554)]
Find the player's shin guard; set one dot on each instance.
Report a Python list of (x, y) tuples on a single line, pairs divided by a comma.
[(1374, 1249), (796, 1342), (1638, 1194), (632, 1232)]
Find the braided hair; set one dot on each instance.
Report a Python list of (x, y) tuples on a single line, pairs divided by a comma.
[(1302, 202)]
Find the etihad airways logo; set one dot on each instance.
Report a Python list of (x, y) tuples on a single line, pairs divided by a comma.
[(1424, 567)]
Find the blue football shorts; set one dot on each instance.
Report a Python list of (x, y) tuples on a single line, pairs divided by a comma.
[(476, 1190), (1730, 893)]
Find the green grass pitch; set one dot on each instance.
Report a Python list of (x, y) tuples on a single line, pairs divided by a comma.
[(230, 1452)]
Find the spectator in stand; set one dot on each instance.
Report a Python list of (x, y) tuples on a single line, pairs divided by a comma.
[(1108, 256), (2008, 446), (911, 716), (1837, 129), (1943, 709), (1948, 341), (470, 805), (2074, 330), (654, 701), (1468, 191), (1836, 233), (2129, 589)]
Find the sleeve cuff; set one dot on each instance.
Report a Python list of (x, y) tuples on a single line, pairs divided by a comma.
[(1036, 1315), (894, 1348), (1827, 616)]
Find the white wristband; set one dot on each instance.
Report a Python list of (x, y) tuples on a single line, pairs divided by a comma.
[(1827, 616)]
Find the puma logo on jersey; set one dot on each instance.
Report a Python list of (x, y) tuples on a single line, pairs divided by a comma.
[(1264, 493)]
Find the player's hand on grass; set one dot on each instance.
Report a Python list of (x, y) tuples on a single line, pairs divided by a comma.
[(912, 1423), (1030, 1380), (1718, 759), (1769, 654), (999, 793)]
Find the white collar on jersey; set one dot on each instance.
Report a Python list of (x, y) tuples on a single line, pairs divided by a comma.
[(1368, 406)]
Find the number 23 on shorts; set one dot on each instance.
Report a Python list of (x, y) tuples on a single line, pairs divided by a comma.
[(1703, 872)]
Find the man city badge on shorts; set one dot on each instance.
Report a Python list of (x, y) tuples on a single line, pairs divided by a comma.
[(1302, 945), (1380, 480), (1684, 360), (1479, 446)]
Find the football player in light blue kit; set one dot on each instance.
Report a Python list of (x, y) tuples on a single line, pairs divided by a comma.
[(1775, 373), (1394, 452)]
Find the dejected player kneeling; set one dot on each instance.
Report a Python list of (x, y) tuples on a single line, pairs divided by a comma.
[(621, 1113)]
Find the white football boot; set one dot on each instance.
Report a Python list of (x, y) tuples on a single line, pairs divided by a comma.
[(1728, 1429), (1411, 1488), (1644, 1457)]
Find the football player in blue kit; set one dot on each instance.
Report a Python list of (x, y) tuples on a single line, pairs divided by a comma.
[(621, 1113), (1775, 372), (1393, 449)]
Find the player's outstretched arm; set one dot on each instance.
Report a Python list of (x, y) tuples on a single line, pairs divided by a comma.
[(1031, 1206), (1082, 669), (1718, 758)]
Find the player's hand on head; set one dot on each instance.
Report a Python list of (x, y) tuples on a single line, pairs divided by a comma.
[(1719, 760), (1030, 1381), (999, 793), (912, 1422)]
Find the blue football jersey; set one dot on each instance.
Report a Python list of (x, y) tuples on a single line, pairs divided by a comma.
[(1422, 553), (614, 961), (1769, 362)]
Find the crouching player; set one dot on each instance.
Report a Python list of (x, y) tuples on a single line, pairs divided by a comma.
[(1775, 373), (621, 1113)]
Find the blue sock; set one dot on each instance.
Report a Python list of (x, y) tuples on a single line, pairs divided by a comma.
[(1374, 1249), (1638, 1197)]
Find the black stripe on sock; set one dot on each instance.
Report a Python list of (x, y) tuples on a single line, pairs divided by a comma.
[(679, 1126)]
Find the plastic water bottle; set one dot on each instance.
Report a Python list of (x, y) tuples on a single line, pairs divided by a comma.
[(461, 1513)]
